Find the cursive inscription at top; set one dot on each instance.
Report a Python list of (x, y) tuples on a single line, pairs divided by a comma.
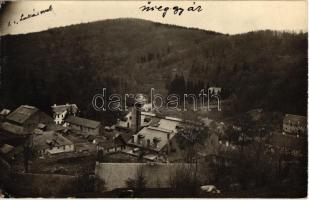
[(34, 13), (176, 10)]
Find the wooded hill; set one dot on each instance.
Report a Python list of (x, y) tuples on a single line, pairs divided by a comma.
[(70, 64)]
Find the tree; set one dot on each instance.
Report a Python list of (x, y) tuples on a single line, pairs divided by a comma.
[(28, 152), (185, 180), (138, 184), (99, 184), (244, 128)]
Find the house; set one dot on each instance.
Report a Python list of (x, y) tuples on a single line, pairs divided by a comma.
[(156, 140), (4, 113), (125, 120), (28, 117), (131, 119), (60, 112), (295, 125), (85, 126), (51, 142), (7, 151), (287, 144), (115, 141), (214, 90)]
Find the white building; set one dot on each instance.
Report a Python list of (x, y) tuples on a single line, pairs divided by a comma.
[(214, 90), (60, 112)]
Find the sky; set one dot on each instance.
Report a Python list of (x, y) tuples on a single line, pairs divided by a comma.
[(231, 17)]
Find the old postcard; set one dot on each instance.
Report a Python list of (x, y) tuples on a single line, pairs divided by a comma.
[(153, 99)]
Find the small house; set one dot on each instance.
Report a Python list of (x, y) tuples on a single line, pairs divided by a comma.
[(85, 126)]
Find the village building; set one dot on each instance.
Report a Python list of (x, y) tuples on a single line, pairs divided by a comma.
[(295, 125), (60, 112), (289, 145), (125, 120), (85, 126), (51, 142), (115, 141), (155, 141), (28, 117), (4, 112), (214, 90), (13, 129), (6, 151)]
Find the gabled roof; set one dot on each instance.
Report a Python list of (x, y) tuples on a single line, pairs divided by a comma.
[(22, 114), (83, 122), (11, 128), (49, 139), (41, 126)]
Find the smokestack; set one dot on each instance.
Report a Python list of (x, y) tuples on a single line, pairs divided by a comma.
[(136, 117), (168, 143)]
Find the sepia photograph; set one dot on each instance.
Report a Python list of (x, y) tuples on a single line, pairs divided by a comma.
[(154, 99)]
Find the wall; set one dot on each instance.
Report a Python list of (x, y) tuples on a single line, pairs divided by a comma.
[(157, 175)]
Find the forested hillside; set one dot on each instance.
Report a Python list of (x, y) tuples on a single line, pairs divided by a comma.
[(70, 64)]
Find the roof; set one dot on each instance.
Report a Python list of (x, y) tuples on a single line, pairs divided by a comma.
[(41, 125), (11, 128), (159, 132), (83, 122), (168, 124), (67, 107), (295, 118), (22, 114), (5, 148), (5, 112), (48, 139)]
